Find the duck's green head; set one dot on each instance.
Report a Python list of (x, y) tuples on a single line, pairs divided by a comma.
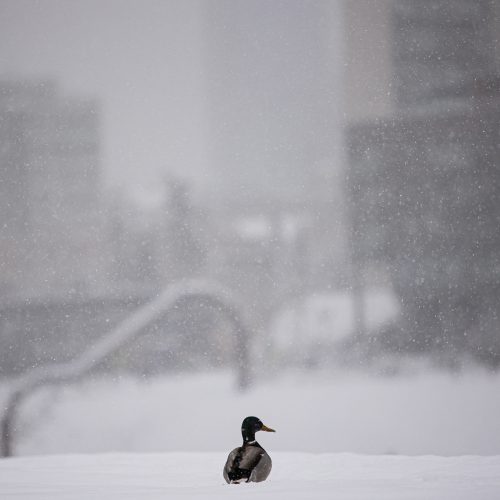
[(250, 426)]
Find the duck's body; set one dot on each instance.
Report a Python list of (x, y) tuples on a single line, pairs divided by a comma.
[(249, 462)]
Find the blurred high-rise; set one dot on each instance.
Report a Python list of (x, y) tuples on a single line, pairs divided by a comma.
[(272, 73), (51, 240), (424, 165)]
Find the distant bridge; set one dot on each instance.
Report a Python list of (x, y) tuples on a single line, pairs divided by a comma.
[(207, 292)]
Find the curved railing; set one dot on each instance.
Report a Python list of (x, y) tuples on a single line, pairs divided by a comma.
[(128, 329)]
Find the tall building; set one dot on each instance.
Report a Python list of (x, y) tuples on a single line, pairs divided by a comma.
[(424, 172), (51, 239), (273, 71)]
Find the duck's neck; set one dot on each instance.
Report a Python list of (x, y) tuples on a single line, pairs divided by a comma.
[(248, 437)]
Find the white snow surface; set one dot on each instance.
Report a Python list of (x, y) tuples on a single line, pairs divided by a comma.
[(294, 476), (152, 439), (415, 414)]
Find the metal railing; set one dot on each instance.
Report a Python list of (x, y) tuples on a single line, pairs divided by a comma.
[(128, 329)]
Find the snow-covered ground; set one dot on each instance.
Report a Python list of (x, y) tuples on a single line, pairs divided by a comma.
[(187, 425), (294, 476), (427, 413)]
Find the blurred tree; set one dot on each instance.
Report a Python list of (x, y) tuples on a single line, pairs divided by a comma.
[(184, 249)]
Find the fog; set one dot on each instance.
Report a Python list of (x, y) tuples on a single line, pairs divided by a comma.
[(244, 205)]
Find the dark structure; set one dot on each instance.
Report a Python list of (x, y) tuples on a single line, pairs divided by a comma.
[(425, 183), (190, 336), (51, 242)]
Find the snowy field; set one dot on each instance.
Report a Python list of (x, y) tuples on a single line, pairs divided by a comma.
[(339, 436), (436, 414), (294, 476)]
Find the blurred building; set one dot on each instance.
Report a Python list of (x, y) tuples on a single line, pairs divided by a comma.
[(51, 239), (424, 166), (272, 71)]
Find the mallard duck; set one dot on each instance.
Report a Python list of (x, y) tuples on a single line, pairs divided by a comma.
[(249, 462)]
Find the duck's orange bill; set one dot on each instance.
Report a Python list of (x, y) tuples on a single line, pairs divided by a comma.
[(267, 429)]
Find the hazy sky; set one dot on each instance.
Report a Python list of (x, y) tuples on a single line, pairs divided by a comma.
[(142, 59)]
